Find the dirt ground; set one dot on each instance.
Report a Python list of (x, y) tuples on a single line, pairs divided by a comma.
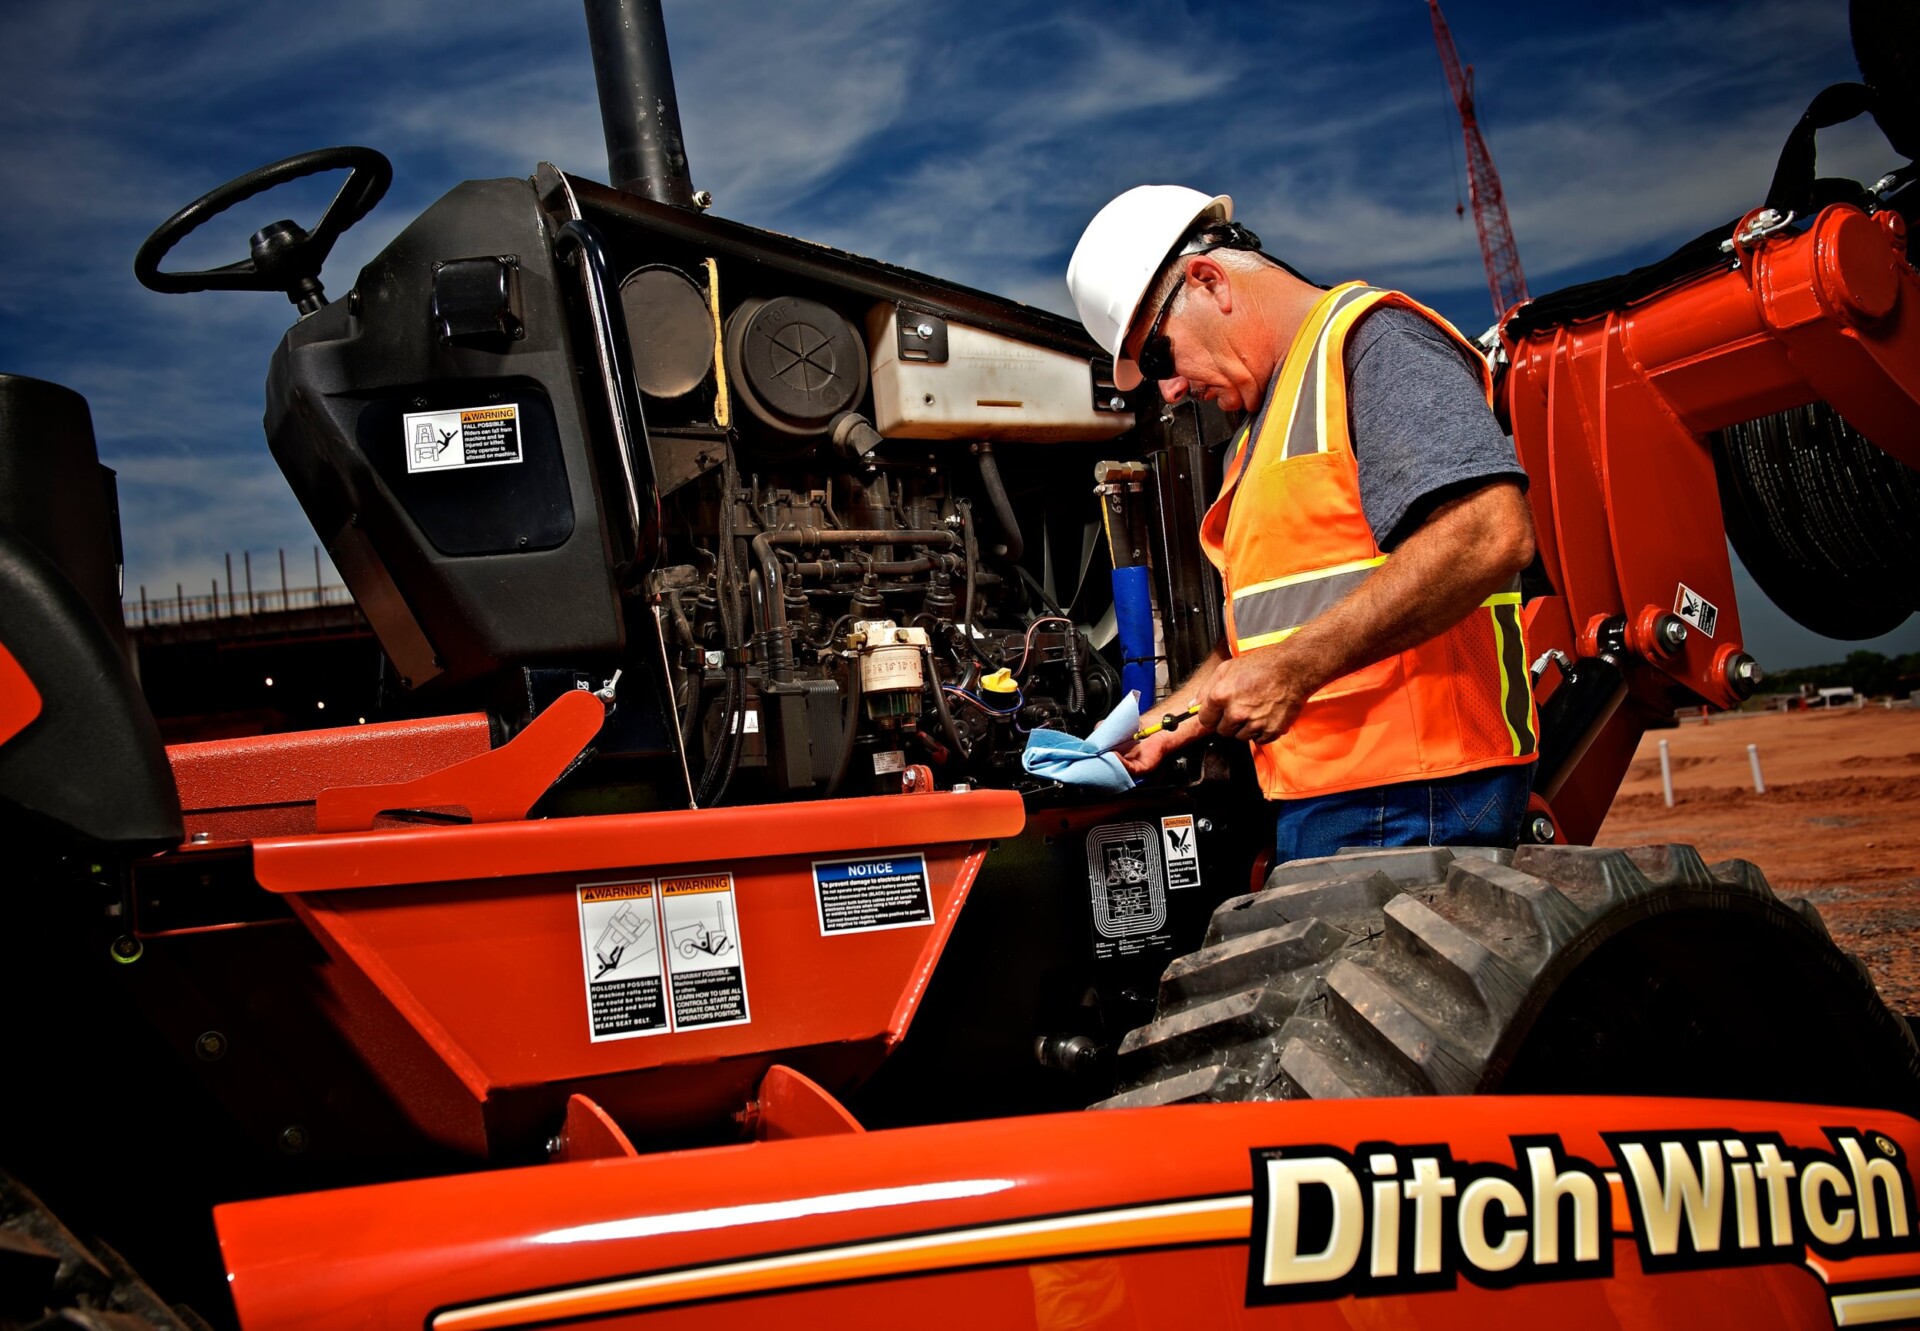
[(1839, 823)]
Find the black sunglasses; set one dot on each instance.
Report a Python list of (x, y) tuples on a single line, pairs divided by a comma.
[(1156, 351)]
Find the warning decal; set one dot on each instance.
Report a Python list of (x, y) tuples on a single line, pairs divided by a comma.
[(470, 437), (1128, 889), (1183, 850), (1696, 609), (859, 896), (708, 978), (626, 991)]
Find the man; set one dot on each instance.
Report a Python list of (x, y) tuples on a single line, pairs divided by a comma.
[(1370, 531)]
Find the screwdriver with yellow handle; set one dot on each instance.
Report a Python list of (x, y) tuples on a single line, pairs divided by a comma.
[(1171, 721)]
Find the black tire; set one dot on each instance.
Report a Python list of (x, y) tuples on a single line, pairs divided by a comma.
[(1547, 970)]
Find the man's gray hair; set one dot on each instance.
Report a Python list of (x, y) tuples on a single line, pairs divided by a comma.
[(1174, 274)]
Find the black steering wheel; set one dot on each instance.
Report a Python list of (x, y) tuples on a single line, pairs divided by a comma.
[(286, 257)]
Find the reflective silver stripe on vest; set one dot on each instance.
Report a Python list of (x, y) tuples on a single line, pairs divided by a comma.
[(1266, 610), (1304, 434)]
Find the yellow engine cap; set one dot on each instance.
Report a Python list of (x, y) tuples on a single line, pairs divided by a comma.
[(1000, 681)]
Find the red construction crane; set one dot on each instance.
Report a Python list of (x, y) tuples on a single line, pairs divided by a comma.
[(1505, 281)]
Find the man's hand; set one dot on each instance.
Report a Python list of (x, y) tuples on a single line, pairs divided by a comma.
[(1254, 696), (1156, 748)]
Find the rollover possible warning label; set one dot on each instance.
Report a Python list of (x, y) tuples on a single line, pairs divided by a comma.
[(626, 991), (708, 978), (463, 437), (858, 896)]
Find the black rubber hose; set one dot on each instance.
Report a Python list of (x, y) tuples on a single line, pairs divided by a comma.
[(1015, 544), (852, 730), (940, 706)]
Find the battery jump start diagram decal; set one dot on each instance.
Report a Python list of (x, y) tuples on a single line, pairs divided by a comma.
[(860, 896), (626, 988), (462, 437), (1129, 889)]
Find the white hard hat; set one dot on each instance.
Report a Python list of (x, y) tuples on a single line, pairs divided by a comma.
[(1120, 252)]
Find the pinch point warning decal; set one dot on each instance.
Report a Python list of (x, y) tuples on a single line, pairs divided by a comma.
[(1183, 850), (661, 955), (1696, 609), (462, 437), (880, 892)]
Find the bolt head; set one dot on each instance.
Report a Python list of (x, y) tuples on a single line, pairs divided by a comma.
[(1540, 829), (702, 199), (293, 1139), (211, 1046), (1673, 631), (923, 331), (1117, 402), (126, 949)]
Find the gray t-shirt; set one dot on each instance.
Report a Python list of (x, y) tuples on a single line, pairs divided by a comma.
[(1422, 433)]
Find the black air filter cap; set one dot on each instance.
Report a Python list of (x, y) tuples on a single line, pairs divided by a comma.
[(795, 363)]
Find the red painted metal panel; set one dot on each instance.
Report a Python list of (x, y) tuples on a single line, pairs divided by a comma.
[(496, 786), (621, 841), (19, 700), (266, 785), (459, 963), (1144, 1214)]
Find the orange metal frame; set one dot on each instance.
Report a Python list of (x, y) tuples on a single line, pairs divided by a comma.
[(1611, 415)]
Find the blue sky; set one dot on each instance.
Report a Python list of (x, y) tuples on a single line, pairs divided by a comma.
[(968, 140)]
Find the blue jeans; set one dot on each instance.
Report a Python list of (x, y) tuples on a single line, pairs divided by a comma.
[(1481, 808)]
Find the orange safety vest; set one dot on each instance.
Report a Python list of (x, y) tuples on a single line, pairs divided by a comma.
[(1290, 539)]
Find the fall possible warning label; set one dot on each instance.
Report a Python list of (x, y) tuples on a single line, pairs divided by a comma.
[(856, 896), (463, 437), (708, 979), (626, 989)]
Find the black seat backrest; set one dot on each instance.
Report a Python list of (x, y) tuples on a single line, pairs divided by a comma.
[(90, 764)]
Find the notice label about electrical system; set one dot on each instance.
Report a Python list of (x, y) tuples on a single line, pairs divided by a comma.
[(620, 932), (859, 896), (462, 437), (708, 979)]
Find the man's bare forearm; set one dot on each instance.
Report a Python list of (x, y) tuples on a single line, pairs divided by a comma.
[(1464, 552)]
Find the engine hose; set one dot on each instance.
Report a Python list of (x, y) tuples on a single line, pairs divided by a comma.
[(852, 730), (940, 705), (973, 567), (1014, 545)]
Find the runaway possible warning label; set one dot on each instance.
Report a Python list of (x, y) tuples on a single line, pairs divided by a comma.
[(1696, 609), (1183, 850), (1128, 888), (626, 990), (708, 980), (858, 896), (463, 437)]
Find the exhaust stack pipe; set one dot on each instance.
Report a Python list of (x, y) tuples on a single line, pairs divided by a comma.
[(638, 108)]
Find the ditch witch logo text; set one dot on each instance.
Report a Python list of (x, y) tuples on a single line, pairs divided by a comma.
[(1395, 1219)]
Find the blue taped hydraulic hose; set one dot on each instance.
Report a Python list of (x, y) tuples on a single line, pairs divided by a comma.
[(1133, 613)]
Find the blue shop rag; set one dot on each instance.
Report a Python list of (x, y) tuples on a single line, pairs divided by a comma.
[(1058, 756)]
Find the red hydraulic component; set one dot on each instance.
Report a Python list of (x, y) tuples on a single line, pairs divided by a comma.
[(491, 787), (19, 700), (1611, 413)]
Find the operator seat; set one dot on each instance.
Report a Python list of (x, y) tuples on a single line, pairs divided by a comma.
[(90, 767)]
